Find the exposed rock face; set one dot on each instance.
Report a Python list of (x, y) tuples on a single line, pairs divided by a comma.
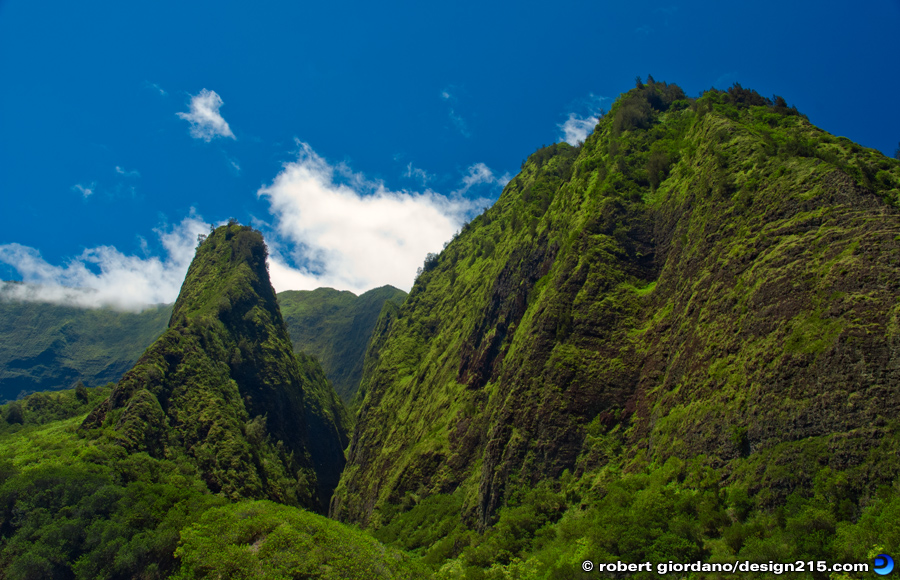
[(718, 278), (223, 387)]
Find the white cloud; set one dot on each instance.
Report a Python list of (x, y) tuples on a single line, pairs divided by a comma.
[(420, 175), (121, 171), (478, 174), (123, 282), (156, 87), (206, 122), (330, 226), (353, 235), (577, 127), (86, 191)]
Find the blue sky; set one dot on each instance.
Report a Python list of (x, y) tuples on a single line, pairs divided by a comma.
[(356, 136)]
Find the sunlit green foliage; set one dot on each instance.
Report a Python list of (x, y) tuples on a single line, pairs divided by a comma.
[(42, 408), (75, 505), (267, 540), (223, 386)]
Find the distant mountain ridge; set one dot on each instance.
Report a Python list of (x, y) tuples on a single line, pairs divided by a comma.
[(45, 346), (335, 327)]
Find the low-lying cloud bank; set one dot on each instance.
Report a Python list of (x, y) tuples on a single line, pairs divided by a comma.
[(124, 282)]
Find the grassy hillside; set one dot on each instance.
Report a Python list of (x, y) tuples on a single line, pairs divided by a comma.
[(335, 327), (695, 311)]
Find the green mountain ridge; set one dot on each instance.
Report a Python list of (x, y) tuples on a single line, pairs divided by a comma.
[(173, 471), (47, 346), (710, 282)]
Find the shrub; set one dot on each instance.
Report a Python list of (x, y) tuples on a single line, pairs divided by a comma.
[(81, 392), (657, 168), (15, 414), (746, 98), (633, 114)]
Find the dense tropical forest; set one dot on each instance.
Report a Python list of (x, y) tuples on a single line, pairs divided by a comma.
[(678, 341)]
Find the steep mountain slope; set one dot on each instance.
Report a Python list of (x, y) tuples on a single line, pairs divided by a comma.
[(47, 346), (223, 386), (335, 327), (713, 281), (328, 426)]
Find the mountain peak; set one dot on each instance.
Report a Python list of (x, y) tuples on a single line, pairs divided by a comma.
[(223, 386), (228, 270)]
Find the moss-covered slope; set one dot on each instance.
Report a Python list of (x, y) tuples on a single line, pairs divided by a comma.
[(335, 327), (223, 385), (714, 278)]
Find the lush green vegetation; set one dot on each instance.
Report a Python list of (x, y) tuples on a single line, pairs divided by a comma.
[(42, 408), (48, 347), (678, 511), (335, 328), (75, 505), (223, 387), (266, 540), (217, 410)]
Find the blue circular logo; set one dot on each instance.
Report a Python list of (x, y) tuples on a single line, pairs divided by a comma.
[(884, 564)]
